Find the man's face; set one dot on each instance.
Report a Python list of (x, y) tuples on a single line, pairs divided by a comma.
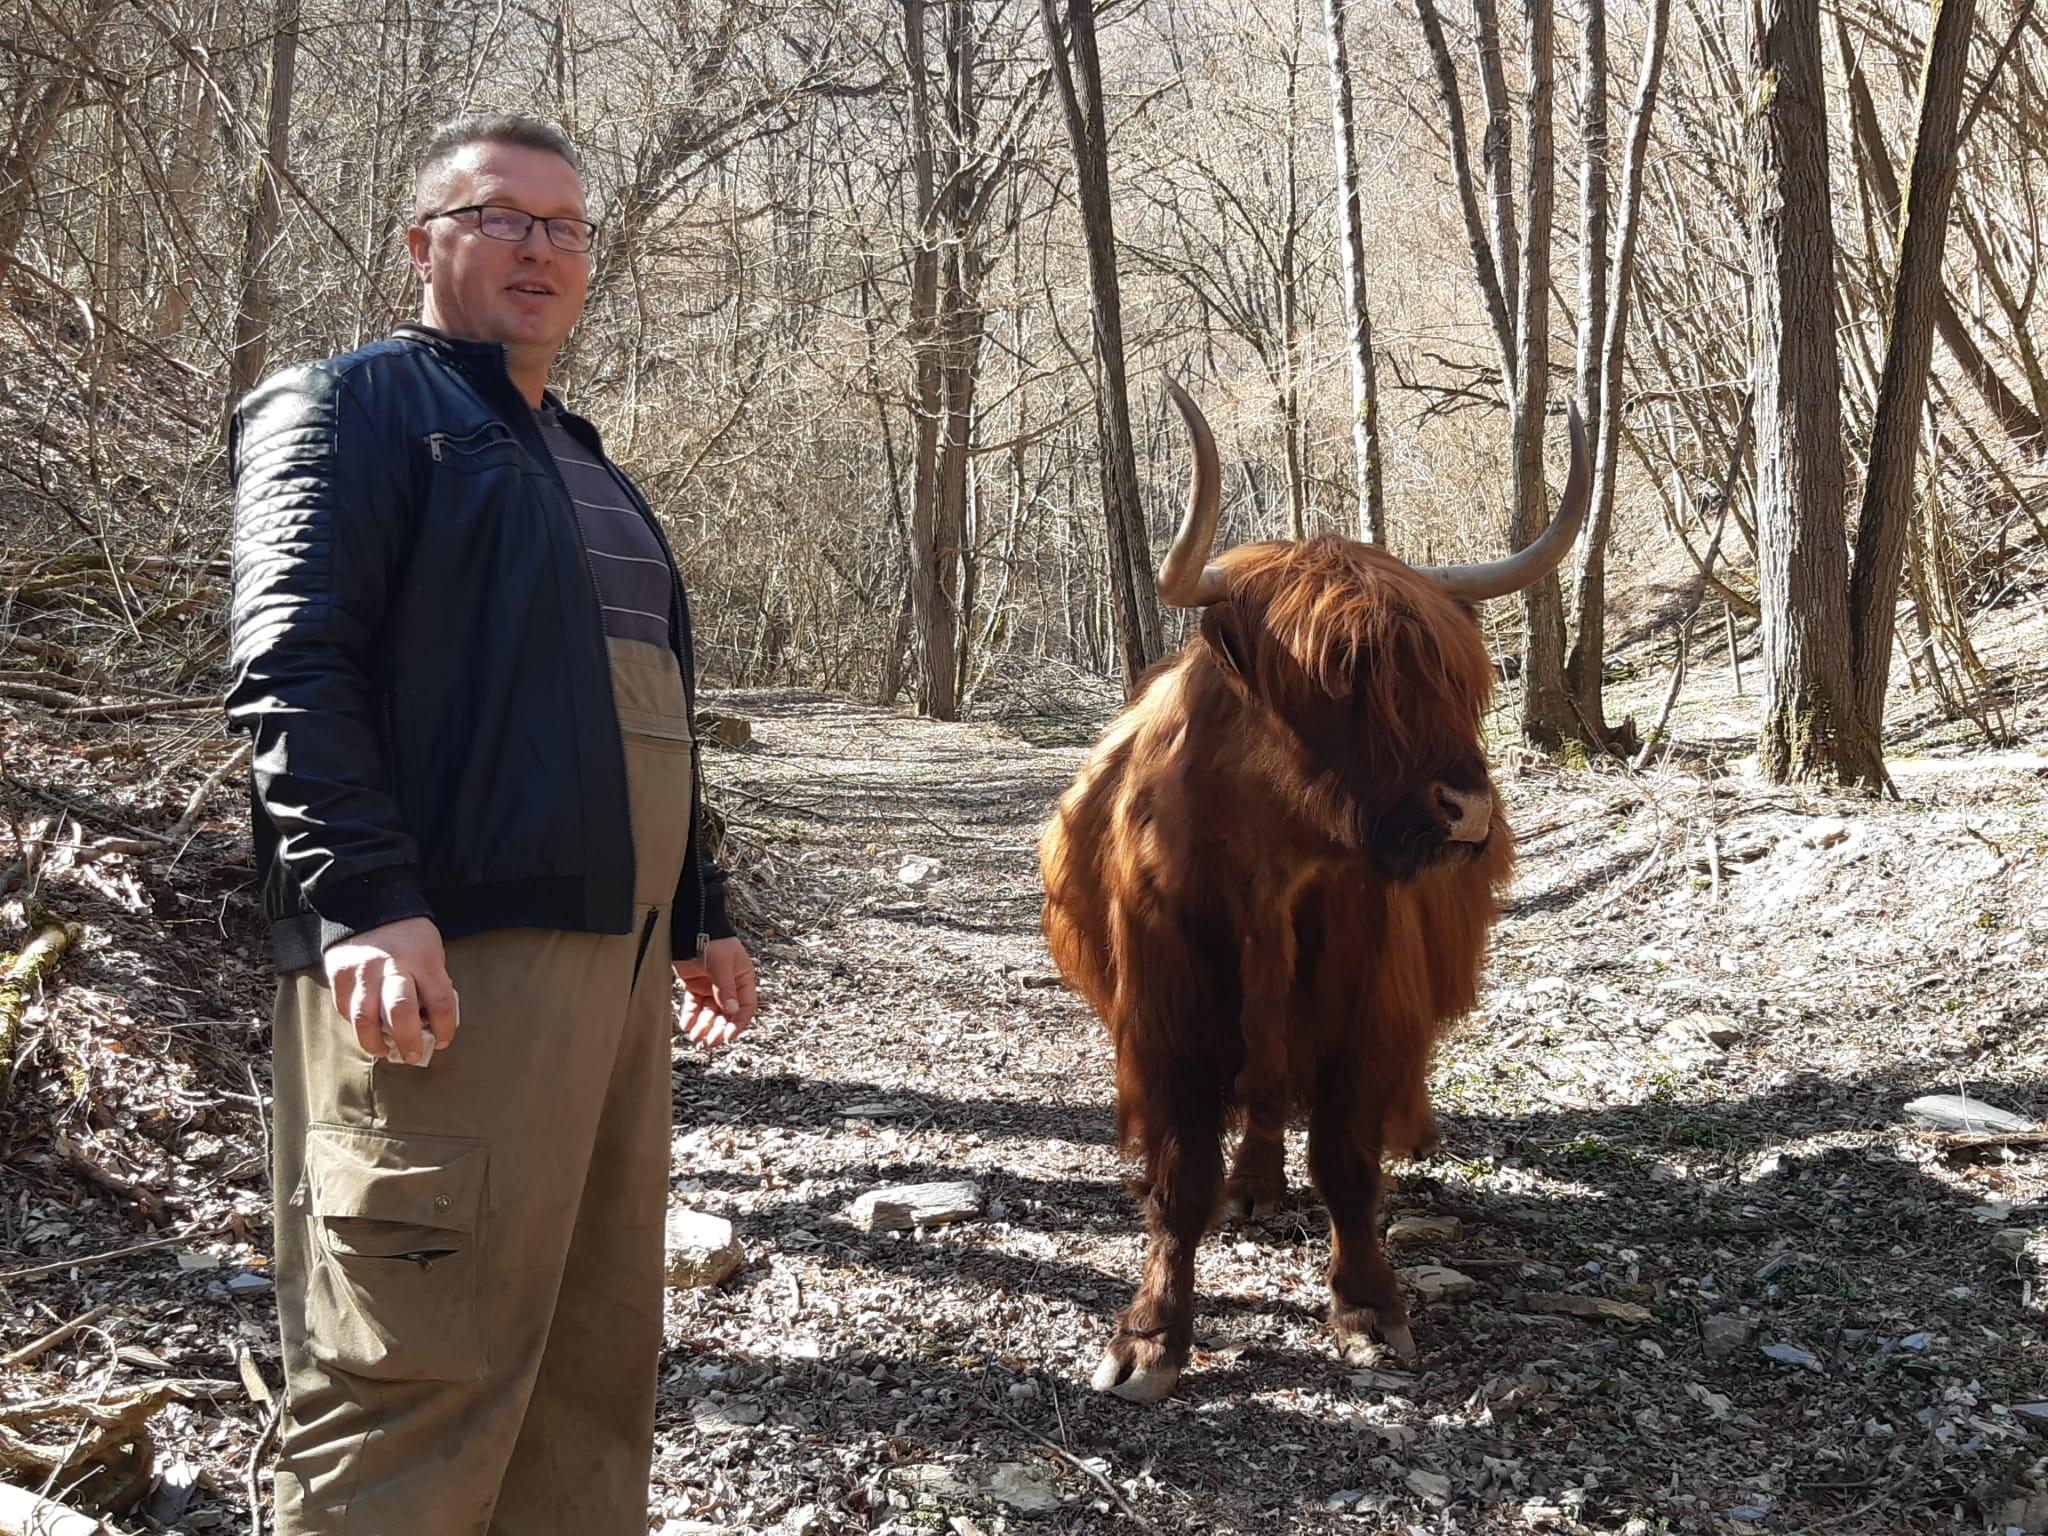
[(526, 295)]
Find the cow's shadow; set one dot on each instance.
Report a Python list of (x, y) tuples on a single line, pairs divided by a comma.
[(1765, 1208)]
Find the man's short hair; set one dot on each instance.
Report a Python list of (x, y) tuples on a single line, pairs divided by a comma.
[(458, 134)]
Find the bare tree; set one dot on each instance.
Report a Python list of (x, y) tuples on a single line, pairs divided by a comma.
[(1365, 404), (1917, 296), (1604, 310), (266, 207), (1079, 78), (1810, 720)]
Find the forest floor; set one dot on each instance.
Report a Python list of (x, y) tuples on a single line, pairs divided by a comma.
[(1719, 1278)]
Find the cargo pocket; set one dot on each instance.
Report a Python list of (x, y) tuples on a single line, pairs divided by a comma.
[(394, 1291)]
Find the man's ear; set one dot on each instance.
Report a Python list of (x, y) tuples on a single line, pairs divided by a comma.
[(1228, 635), (419, 245)]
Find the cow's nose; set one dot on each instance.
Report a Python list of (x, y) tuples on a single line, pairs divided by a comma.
[(1465, 813)]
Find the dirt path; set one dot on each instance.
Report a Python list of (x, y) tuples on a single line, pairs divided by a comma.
[(1681, 1110)]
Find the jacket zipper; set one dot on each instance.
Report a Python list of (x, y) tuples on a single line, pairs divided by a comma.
[(436, 441)]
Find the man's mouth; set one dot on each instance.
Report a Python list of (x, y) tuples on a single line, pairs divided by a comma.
[(539, 289)]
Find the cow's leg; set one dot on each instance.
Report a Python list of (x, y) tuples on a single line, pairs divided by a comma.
[(1257, 1185), (1182, 1145), (1344, 1147), (1410, 1123), (1258, 1174)]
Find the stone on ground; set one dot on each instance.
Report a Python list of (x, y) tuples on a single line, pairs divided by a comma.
[(1960, 1112), (902, 1206), (702, 1250), (1436, 1282)]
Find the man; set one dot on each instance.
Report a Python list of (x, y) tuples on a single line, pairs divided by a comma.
[(463, 652)]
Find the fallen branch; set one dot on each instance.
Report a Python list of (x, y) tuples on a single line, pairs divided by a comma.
[(1087, 1469), (146, 1203), (255, 1467), (1966, 1148), (28, 1514), (181, 829), (36, 1348), (139, 708), (19, 978), (86, 1260)]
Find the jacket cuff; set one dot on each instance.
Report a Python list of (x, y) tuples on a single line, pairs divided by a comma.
[(362, 902), (716, 922), (687, 919)]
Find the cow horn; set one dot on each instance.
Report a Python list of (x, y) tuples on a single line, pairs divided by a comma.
[(1188, 578), (1542, 555)]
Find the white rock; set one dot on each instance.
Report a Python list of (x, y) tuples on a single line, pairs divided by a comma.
[(702, 1250), (2029, 1514), (916, 870), (1826, 833), (933, 1478), (1436, 1282), (903, 1206), (1432, 1487), (1791, 1354), (1026, 1489), (1708, 1399), (1415, 1231), (1724, 1333), (1960, 1112), (725, 1418)]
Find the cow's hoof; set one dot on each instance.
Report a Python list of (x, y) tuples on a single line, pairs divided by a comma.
[(1411, 1140), (1249, 1199), (1137, 1370), (1366, 1337)]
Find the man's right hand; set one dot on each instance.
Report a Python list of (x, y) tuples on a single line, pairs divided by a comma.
[(392, 984)]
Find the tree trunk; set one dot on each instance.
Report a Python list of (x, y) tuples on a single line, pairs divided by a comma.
[(194, 132), (1497, 147), (960, 334), (1902, 389), (1484, 267), (2018, 419), (1586, 660), (1802, 568), (1079, 80), (251, 353), (1586, 665), (1547, 716), (932, 568), (1365, 406), (38, 127)]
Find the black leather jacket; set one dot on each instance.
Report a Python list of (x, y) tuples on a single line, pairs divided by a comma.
[(419, 655)]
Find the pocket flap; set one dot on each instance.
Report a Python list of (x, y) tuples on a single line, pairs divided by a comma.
[(427, 1181)]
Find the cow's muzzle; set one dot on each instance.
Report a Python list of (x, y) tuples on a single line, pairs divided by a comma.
[(1466, 815)]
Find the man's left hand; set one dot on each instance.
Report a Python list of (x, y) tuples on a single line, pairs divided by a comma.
[(719, 1000)]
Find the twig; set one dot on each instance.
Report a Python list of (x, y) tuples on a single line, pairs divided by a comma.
[(83, 1261), (139, 708), (49, 1341), (1078, 1465), (256, 1465)]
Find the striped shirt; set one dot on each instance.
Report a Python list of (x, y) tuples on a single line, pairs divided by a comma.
[(634, 586)]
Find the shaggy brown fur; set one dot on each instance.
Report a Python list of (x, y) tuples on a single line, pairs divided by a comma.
[(1252, 884)]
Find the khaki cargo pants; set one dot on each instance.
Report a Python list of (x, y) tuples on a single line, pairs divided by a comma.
[(469, 1255)]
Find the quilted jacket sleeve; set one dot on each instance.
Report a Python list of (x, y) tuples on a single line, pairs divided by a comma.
[(320, 532)]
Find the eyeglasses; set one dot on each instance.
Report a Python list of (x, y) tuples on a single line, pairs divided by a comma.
[(513, 225)]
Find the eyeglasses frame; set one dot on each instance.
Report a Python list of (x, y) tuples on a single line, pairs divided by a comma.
[(546, 223)]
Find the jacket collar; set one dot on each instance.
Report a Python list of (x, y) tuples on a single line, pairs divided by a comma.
[(484, 361)]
